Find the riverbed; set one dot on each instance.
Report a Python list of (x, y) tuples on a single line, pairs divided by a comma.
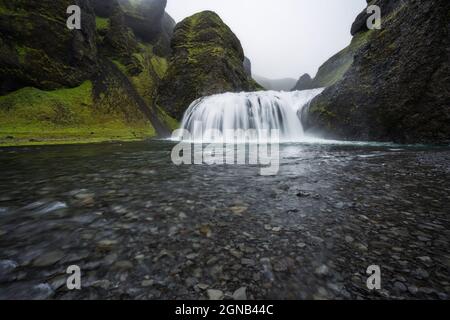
[(140, 227)]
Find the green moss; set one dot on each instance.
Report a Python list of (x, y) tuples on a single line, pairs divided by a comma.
[(22, 53), (321, 109), (170, 122), (145, 85), (101, 23), (119, 65), (160, 65), (335, 68), (33, 116), (207, 58)]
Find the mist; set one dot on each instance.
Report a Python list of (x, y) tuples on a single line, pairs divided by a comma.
[(284, 38)]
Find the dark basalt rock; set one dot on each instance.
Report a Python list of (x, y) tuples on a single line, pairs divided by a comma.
[(104, 8), (396, 89), (119, 40), (207, 59), (360, 24), (334, 69), (304, 83), (248, 66), (144, 17), (37, 49)]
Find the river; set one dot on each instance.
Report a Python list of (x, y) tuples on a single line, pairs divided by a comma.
[(140, 227)]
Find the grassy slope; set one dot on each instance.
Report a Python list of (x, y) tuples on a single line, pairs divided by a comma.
[(32, 116), (335, 68)]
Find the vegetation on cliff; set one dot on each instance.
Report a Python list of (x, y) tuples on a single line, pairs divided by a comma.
[(396, 89), (207, 58), (334, 68), (108, 64)]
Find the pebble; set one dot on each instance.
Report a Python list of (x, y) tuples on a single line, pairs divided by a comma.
[(240, 294), (248, 262), (48, 259), (413, 289), (147, 283), (303, 194), (425, 259), (104, 284), (41, 291), (206, 231), (106, 244), (202, 286), (182, 215), (321, 270), (7, 268), (53, 206), (123, 265), (238, 209), (214, 294), (339, 205), (400, 286)]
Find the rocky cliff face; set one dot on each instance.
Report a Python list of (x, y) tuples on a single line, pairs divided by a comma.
[(334, 68), (94, 83), (207, 58), (396, 88), (304, 83), (248, 66), (36, 48)]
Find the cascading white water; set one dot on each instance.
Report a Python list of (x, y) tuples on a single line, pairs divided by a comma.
[(258, 112)]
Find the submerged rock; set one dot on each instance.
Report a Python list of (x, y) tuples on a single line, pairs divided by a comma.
[(214, 294), (48, 259), (240, 294)]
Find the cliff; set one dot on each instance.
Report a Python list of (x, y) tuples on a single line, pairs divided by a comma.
[(94, 84), (396, 88), (207, 58)]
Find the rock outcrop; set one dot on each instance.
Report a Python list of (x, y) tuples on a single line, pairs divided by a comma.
[(248, 66), (334, 68), (396, 87), (207, 58), (37, 49), (304, 83), (94, 83)]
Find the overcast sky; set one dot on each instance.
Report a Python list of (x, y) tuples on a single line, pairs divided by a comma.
[(282, 38)]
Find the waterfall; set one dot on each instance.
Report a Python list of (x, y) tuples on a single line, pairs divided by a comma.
[(259, 111)]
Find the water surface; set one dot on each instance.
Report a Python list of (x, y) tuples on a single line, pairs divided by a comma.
[(140, 227)]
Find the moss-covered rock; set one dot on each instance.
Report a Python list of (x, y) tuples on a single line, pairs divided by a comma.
[(149, 22), (334, 68), (42, 63), (207, 58), (37, 49), (33, 116), (397, 88)]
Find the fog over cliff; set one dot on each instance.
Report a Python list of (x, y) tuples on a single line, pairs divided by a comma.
[(284, 38)]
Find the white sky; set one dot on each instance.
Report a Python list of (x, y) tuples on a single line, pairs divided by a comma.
[(282, 38)]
